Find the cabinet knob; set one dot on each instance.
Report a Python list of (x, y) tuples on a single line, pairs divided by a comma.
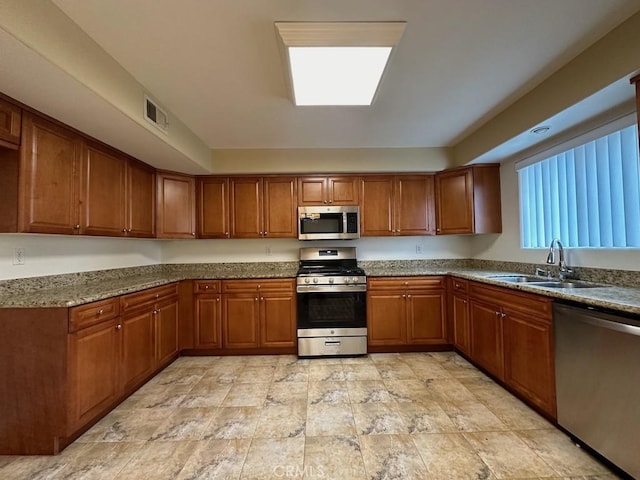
[(330, 202), (193, 234), (76, 227), (217, 299), (259, 286), (101, 311), (118, 326), (437, 229), (256, 299), (325, 202), (404, 296), (408, 296), (128, 230), (261, 299), (124, 230), (464, 301), (157, 295), (503, 315), (226, 234), (206, 287)]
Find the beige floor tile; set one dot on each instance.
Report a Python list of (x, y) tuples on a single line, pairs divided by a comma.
[(254, 374), (261, 360), (396, 371), (338, 457), (448, 456), (127, 425), (291, 373), (330, 419), (359, 372), (328, 392), (408, 390), (425, 417), (392, 457), (212, 397), (472, 416), (279, 421), (216, 459), (158, 461), (291, 360), (458, 367), (159, 400), (97, 461), (555, 448), (516, 415), (270, 458), (184, 424), (378, 419), (233, 422), (319, 372), (507, 455), (246, 395), (35, 467), (286, 393), (371, 391), (359, 360), (449, 390)]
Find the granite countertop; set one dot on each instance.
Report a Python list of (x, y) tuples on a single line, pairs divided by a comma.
[(92, 286)]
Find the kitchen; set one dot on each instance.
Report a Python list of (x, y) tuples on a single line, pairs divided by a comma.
[(45, 255)]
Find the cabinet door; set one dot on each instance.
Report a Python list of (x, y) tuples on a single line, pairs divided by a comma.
[(166, 333), (241, 315), (377, 207), (386, 318), (176, 206), (141, 195), (93, 372), (50, 176), (312, 191), (10, 116), (528, 359), (280, 212), (213, 207), (343, 190), (138, 356), (425, 318), (414, 205), (208, 321), (486, 337), (454, 200), (245, 217), (277, 320), (461, 332), (103, 196)]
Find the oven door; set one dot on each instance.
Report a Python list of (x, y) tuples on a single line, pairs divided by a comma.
[(331, 309)]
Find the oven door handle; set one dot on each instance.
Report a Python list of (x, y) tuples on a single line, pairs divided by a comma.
[(331, 343), (331, 289)]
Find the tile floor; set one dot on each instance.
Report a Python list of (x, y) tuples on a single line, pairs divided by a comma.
[(385, 416)]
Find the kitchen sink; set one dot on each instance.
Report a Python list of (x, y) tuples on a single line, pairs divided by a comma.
[(567, 284), (543, 282), (519, 278)]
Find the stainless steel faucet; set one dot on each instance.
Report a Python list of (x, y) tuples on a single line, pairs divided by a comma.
[(564, 272)]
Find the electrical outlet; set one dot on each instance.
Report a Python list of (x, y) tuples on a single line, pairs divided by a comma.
[(418, 249), (18, 256), (268, 250)]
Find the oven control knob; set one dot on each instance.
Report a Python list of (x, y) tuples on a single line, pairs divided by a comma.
[(315, 279), (306, 280), (331, 280), (346, 279), (354, 280)]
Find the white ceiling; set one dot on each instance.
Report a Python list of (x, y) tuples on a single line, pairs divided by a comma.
[(215, 63)]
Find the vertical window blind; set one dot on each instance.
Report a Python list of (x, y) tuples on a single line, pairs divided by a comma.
[(588, 196)]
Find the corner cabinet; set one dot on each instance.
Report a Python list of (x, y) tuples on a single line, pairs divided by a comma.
[(397, 205), (403, 311), (468, 200), (175, 206)]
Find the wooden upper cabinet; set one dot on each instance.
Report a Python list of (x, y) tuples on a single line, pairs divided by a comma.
[(245, 217), (398, 205), (319, 190), (468, 200), (10, 124), (213, 207), (280, 212), (103, 198), (141, 200), (263, 207), (50, 177), (176, 206)]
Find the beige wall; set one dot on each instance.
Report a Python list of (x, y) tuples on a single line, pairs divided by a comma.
[(330, 160)]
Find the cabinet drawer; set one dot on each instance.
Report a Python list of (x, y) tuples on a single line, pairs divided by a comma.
[(206, 286), (90, 314), (459, 285), (405, 283), (509, 300), (147, 297), (257, 285)]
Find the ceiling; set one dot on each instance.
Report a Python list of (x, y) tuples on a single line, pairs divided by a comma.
[(216, 64)]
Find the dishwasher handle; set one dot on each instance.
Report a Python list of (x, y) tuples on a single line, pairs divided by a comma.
[(609, 325)]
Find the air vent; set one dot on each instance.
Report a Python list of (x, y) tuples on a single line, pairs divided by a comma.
[(156, 115)]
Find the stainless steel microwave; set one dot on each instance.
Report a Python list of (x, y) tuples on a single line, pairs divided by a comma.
[(328, 223)]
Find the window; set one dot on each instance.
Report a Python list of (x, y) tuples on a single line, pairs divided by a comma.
[(587, 196)]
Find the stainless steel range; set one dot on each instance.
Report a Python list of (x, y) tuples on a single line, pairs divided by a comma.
[(332, 303)]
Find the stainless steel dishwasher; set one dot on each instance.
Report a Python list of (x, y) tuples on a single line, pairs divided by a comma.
[(598, 381)]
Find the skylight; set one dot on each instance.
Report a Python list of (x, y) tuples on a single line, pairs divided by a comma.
[(339, 63)]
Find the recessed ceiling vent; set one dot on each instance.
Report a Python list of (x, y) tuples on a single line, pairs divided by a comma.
[(155, 115)]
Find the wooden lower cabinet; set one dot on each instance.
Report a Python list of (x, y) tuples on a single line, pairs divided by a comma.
[(166, 332), (258, 314), (137, 361), (486, 337), (406, 311)]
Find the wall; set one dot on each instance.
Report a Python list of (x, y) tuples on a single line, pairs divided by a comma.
[(506, 247), (284, 249), (56, 254)]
